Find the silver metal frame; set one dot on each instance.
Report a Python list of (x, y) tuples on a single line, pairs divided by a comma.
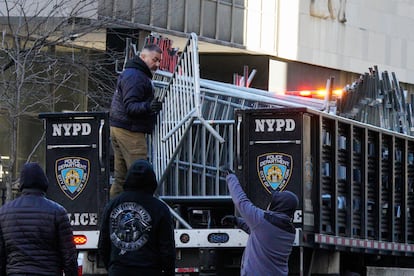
[(193, 138)]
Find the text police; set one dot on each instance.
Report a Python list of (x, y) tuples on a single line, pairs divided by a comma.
[(83, 218)]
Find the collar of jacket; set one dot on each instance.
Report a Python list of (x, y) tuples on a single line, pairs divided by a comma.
[(280, 220), (33, 191), (137, 63)]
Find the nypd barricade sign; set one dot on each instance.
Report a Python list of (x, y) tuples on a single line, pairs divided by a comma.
[(77, 165)]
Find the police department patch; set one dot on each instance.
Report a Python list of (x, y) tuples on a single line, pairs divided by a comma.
[(274, 170), (72, 174)]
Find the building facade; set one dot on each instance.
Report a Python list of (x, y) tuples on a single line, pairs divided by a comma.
[(344, 36), (294, 45)]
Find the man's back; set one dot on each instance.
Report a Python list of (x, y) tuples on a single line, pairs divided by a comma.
[(137, 234), (141, 228), (268, 250), (36, 236), (31, 235), (271, 232)]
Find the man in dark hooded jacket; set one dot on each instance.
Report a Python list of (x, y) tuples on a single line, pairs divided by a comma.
[(137, 233), (35, 233), (271, 232), (133, 111)]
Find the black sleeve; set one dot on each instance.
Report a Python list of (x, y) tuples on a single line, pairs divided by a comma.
[(67, 245), (104, 243), (167, 243), (134, 98)]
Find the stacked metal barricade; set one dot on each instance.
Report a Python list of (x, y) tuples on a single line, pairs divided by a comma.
[(376, 98), (193, 138)]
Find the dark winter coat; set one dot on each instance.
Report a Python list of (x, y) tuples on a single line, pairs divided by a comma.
[(137, 234), (130, 107), (35, 234), (271, 232)]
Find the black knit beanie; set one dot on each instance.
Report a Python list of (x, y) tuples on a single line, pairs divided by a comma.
[(32, 176), (141, 176)]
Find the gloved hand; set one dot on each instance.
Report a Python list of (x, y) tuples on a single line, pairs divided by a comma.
[(155, 106), (229, 171), (229, 220), (226, 171)]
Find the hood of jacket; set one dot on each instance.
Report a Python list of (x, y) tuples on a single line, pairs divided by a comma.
[(137, 63), (141, 176), (281, 209), (280, 220), (284, 202), (32, 176)]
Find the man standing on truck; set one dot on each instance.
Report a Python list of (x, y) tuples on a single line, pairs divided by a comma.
[(137, 232), (35, 233), (271, 231), (132, 114)]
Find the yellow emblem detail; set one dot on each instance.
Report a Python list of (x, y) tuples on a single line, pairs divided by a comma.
[(72, 178), (274, 174)]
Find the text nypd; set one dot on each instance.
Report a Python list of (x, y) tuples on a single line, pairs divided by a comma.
[(71, 129), (272, 125), (77, 219)]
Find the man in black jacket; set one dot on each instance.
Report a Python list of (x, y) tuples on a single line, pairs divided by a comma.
[(35, 233), (137, 233), (133, 111)]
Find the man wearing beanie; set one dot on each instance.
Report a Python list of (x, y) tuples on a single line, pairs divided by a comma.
[(35, 233), (137, 233), (271, 232)]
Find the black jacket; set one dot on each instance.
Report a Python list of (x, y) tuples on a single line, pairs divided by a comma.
[(130, 107), (36, 237), (137, 234)]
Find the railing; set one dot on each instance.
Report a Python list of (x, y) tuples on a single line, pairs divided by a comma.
[(193, 137)]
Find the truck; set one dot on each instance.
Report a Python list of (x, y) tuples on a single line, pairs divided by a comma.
[(78, 169), (354, 180)]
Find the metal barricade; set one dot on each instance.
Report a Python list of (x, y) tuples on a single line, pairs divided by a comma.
[(193, 138)]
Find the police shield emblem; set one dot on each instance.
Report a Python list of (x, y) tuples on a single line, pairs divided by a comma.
[(274, 170), (72, 175)]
